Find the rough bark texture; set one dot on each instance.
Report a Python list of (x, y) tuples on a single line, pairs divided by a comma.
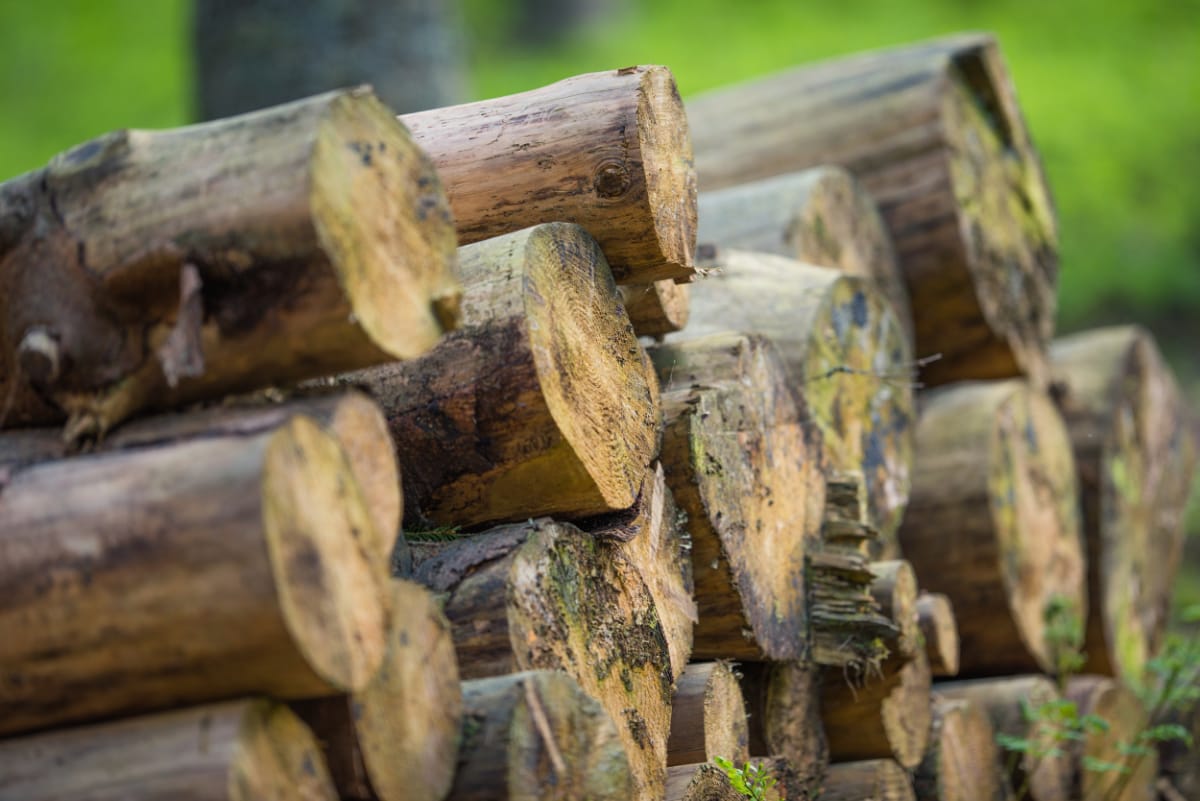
[(657, 309), (545, 595), (1135, 454), (934, 133), (155, 268), (846, 355), (235, 751), (869, 780), (1126, 717), (748, 475), (783, 702), (963, 762), (822, 216), (993, 523), (708, 716), (543, 402), (608, 150), (184, 573), (939, 629)]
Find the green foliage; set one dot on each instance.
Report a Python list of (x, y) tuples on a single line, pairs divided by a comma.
[(752, 781), (433, 534)]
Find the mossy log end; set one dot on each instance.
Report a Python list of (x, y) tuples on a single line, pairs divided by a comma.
[(543, 402), (783, 703), (547, 596), (1126, 717), (1135, 454), (963, 762), (609, 151), (847, 356), (234, 751), (939, 629), (993, 523), (156, 268), (934, 133), (192, 571), (708, 716), (707, 782), (869, 780)]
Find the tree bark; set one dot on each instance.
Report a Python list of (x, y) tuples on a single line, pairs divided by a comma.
[(1135, 454), (846, 355), (993, 523), (186, 573), (747, 474), (783, 702), (151, 269), (541, 403), (963, 761), (934, 133), (609, 151), (821, 216), (545, 595), (1126, 718), (708, 716), (869, 780), (234, 751), (939, 630), (657, 309)]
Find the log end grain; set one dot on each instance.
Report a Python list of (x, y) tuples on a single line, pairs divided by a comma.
[(1126, 717), (708, 716), (939, 629), (656, 309), (963, 762), (667, 162), (869, 780), (895, 590)]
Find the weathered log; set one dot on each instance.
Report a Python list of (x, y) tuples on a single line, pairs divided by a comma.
[(537, 735), (234, 751), (1008, 703), (869, 780), (608, 150), (545, 595), (398, 738), (543, 402), (189, 572), (822, 216), (963, 761), (846, 355), (151, 269), (935, 134), (881, 715), (708, 716), (1135, 454), (939, 629), (993, 523), (1125, 717), (747, 473), (895, 590), (657, 309), (707, 782), (1177, 758), (783, 702)]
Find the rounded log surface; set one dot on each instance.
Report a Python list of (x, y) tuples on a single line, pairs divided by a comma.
[(708, 716), (1126, 718), (886, 716), (939, 629), (869, 780), (657, 309), (963, 762)]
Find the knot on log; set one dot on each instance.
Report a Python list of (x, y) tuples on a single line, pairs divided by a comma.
[(612, 179), (40, 356)]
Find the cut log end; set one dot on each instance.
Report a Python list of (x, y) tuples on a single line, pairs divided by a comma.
[(656, 309), (1126, 718), (895, 590), (935, 616), (277, 757), (666, 151), (708, 716), (869, 780), (963, 761)]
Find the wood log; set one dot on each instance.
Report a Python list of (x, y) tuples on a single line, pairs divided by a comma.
[(152, 269), (1006, 702), (544, 595), (708, 716), (846, 355), (657, 309), (895, 590), (747, 474), (1135, 455), (993, 523), (234, 751), (541, 403), (398, 738), (821, 216), (1177, 758), (538, 735), (783, 701), (187, 572), (1125, 717), (963, 761), (708, 782), (882, 715), (934, 133), (608, 150), (939, 630), (869, 780)]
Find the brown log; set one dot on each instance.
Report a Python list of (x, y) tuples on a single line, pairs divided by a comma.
[(707, 782), (541, 403), (1176, 757), (939, 630), (821, 216), (783, 701), (188, 572), (895, 590), (657, 309), (963, 762), (748, 475), (1135, 455), (993, 523), (152, 269), (1005, 701), (934, 133), (708, 716), (398, 738), (1126, 717), (545, 595), (846, 355), (537, 735), (869, 780), (234, 751), (608, 150)]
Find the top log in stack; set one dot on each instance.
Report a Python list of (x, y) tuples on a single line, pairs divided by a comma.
[(470, 537)]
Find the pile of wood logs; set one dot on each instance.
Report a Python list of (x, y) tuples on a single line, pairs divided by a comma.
[(515, 450)]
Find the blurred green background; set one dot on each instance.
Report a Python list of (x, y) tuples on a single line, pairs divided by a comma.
[(1111, 92)]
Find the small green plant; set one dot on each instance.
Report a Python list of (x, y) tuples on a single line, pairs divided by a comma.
[(751, 780)]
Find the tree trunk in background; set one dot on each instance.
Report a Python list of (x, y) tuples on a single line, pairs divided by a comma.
[(255, 53)]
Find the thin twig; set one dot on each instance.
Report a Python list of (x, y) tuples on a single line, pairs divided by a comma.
[(543, 726)]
